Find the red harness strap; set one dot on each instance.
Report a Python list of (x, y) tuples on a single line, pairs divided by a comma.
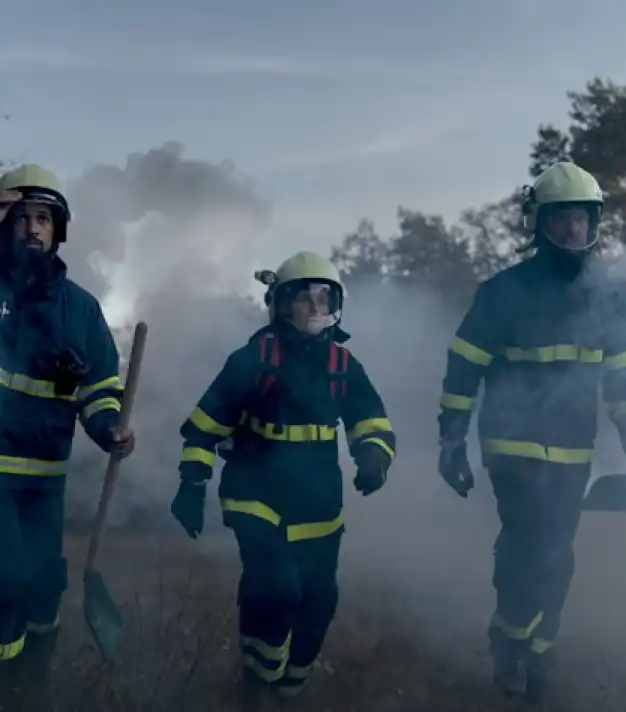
[(338, 359)]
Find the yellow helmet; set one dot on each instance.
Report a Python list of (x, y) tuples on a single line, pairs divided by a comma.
[(304, 266), (563, 183), (39, 185)]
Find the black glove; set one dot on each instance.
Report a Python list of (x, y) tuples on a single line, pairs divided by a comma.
[(454, 466), (372, 464), (188, 507)]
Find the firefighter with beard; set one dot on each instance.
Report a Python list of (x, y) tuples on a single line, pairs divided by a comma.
[(279, 400), (545, 334), (58, 362)]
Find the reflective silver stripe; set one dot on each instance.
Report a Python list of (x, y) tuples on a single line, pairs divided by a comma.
[(298, 672), (30, 386), (30, 466), (112, 383), (43, 627)]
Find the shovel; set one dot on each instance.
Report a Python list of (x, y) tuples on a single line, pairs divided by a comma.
[(102, 615), (607, 494)]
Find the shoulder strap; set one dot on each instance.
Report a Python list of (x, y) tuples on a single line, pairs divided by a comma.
[(338, 358), (269, 359)]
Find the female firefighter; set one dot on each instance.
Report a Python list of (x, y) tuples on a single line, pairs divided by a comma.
[(544, 334), (279, 400)]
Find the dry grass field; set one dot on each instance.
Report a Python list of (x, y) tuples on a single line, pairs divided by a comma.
[(408, 644)]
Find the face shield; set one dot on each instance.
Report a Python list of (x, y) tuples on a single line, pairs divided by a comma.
[(572, 227), (311, 306)]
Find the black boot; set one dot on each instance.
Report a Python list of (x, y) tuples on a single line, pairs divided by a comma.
[(537, 672), (509, 665), (509, 676), (34, 671), (9, 685), (294, 681)]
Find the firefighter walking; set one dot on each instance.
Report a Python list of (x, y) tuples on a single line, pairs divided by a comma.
[(544, 336), (275, 407), (58, 362)]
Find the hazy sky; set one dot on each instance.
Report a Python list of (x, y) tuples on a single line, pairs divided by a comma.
[(336, 109)]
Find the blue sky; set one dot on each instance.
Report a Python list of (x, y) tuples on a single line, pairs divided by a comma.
[(337, 110)]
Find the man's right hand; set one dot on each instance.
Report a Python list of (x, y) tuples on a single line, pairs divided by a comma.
[(454, 466), (7, 198), (188, 507)]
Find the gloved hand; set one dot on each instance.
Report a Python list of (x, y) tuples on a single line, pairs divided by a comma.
[(372, 464), (188, 507), (123, 442), (454, 466)]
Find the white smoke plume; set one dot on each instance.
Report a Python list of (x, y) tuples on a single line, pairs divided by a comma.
[(173, 241), (169, 240)]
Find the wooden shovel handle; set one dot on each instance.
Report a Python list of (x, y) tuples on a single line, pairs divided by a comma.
[(113, 468)]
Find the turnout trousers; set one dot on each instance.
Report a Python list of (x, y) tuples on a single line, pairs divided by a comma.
[(287, 598), (539, 505), (33, 571)]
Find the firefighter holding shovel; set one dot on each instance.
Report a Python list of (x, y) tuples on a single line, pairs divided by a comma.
[(58, 362), (544, 334), (280, 399)]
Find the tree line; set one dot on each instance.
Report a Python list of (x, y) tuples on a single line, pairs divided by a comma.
[(450, 259), (402, 341)]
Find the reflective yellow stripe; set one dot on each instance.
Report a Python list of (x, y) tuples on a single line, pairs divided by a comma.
[(261, 671), (111, 383), (617, 409), (96, 406), (293, 433), (30, 386), (369, 426), (277, 653), (541, 645), (30, 466), (449, 400), (255, 509), (295, 532), (516, 632), (206, 424), (470, 352), (382, 445), (558, 352), (8, 651), (198, 454), (43, 627), (515, 448), (315, 530), (45, 389), (616, 362)]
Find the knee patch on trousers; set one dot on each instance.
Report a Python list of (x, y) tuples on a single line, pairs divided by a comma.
[(327, 597), (44, 596), (267, 603), (13, 584), (270, 589), (52, 580)]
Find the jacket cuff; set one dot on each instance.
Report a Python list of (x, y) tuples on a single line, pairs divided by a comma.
[(375, 451), (194, 472), (454, 425), (99, 428)]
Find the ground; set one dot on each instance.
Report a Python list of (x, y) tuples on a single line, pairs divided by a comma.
[(179, 647), (394, 647)]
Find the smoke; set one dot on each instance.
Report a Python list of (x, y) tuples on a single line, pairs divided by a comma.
[(171, 241)]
